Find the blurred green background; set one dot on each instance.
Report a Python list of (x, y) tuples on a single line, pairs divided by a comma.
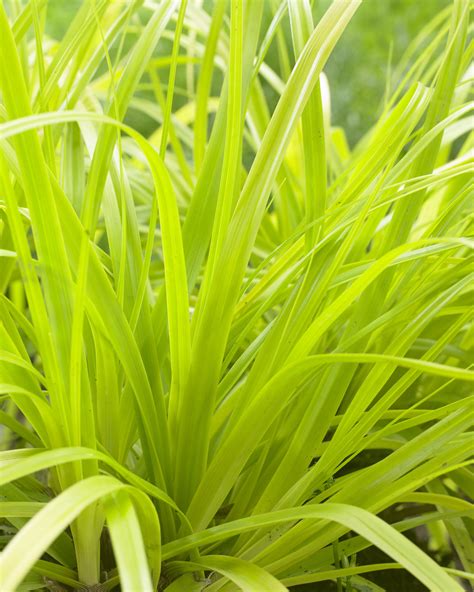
[(377, 36)]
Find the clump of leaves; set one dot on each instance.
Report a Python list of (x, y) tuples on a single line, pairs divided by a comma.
[(206, 332)]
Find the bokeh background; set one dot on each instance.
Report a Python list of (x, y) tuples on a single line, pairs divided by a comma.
[(374, 40)]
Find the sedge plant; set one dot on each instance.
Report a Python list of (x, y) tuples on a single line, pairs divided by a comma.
[(232, 347)]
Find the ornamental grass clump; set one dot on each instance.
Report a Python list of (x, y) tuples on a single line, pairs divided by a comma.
[(234, 351)]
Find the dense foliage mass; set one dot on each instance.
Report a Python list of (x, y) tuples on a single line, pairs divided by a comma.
[(234, 352)]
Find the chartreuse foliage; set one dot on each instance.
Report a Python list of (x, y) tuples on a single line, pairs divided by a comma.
[(207, 334)]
